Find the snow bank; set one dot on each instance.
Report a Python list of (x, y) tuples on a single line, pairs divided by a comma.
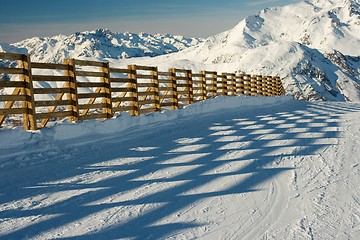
[(93, 129)]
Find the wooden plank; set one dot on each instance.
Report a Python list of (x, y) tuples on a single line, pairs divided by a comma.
[(14, 98), (90, 84), (13, 111), (89, 63), (181, 70), (147, 110), (53, 115), (91, 95), (197, 88), (122, 80), (12, 84), (164, 74), (122, 108), (146, 68), (145, 76), (120, 70), (93, 106), (49, 78), (147, 93), (150, 101), (182, 85), (163, 81), (123, 89), (123, 99), (181, 78), (183, 92), (50, 103), (54, 66), (152, 85), (167, 104), (93, 116), (12, 70), (165, 88), (51, 90), (11, 56), (89, 74)]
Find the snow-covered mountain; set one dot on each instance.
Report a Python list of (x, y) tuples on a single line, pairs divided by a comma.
[(313, 45), (100, 43)]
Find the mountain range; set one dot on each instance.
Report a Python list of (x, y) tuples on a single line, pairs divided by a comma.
[(312, 45), (100, 44)]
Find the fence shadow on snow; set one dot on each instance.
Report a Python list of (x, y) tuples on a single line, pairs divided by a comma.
[(140, 185)]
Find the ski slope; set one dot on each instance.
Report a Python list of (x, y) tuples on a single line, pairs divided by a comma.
[(227, 168)]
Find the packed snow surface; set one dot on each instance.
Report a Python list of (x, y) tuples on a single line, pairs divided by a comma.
[(226, 168)]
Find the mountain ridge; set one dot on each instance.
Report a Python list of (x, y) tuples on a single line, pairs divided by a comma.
[(100, 44)]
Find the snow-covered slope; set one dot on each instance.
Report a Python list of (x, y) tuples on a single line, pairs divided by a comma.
[(100, 43)]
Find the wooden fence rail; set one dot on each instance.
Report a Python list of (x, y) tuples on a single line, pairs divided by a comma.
[(82, 90)]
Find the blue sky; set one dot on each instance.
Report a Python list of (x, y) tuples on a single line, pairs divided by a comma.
[(21, 19)]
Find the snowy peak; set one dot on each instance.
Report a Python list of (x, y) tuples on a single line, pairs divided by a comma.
[(313, 45), (101, 43)]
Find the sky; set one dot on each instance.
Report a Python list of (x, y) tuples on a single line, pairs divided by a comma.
[(21, 19)]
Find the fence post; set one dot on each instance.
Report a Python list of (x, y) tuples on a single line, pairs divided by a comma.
[(189, 83), (247, 78), (253, 86), (259, 84), (240, 84), (174, 99), (134, 92), (107, 109), (224, 84), (155, 80), (73, 95), (203, 85), (233, 84), (28, 91), (263, 86), (214, 83), (274, 86), (279, 83)]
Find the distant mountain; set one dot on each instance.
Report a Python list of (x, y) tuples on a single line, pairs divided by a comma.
[(314, 45), (100, 43)]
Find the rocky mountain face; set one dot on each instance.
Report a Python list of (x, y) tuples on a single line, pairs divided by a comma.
[(100, 43)]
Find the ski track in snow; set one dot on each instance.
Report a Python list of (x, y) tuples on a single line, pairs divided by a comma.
[(289, 171)]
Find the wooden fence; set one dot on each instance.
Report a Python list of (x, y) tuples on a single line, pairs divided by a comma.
[(81, 90)]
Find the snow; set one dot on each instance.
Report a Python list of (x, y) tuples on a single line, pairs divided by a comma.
[(226, 168)]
